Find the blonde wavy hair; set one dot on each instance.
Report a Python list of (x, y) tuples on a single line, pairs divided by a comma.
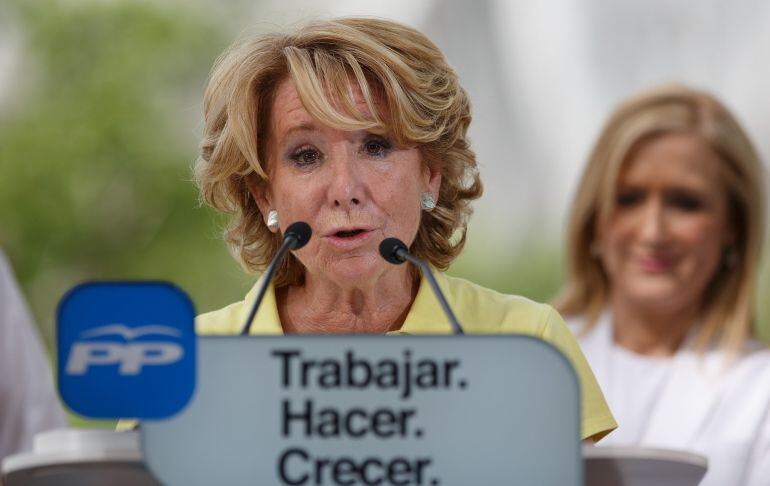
[(729, 310), (396, 68)]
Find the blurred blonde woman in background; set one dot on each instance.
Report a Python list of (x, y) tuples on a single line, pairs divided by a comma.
[(664, 242)]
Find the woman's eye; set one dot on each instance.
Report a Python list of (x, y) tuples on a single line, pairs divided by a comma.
[(626, 199), (306, 156), (685, 202), (376, 147)]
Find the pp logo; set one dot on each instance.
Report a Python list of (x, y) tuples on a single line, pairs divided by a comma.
[(130, 356), (126, 350)]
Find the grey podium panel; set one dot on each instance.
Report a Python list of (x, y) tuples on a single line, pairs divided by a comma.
[(478, 410), (98, 473), (642, 466), (79, 457)]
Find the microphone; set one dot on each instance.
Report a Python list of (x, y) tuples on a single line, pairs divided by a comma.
[(395, 251), (295, 237)]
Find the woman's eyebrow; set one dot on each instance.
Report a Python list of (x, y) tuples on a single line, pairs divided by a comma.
[(302, 127)]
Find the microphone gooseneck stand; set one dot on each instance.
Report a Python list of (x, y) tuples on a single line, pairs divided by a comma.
[(395, 251), (295, 237)]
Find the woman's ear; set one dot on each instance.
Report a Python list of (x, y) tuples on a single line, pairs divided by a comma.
[(259, 191), (432, 175), (596, 244), (730, 237)]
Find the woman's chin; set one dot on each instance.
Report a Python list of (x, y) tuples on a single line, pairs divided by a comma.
[(660, 295), (355, 271)]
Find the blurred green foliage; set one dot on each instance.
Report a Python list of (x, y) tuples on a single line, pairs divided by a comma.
[(96, 152), (534, 270)]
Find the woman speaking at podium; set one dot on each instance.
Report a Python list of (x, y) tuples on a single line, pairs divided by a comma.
[(356, 126), (664, 243)]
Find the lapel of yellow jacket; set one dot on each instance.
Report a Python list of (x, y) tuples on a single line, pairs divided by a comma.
[(267, 320), (426, 315)]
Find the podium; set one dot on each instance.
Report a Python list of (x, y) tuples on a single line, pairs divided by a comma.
[(432, 410), (351, 409), (96, 457), (79, 457), (640, 466)]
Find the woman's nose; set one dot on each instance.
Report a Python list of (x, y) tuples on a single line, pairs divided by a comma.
[(652, 227), (346, 188)]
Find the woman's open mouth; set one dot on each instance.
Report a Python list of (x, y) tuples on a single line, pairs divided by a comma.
[(348, 237), (348, 233)]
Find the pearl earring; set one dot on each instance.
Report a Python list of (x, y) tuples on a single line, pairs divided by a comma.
[(272, 220), (427, 203)]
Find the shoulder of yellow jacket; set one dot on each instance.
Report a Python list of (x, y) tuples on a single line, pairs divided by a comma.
[(481, 309), (226, 320)]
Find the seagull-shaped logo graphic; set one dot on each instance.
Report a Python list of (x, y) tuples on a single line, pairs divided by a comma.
[(131, 333)]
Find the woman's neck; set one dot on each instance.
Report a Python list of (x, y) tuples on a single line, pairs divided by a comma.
[(651, 332), (322, 306)]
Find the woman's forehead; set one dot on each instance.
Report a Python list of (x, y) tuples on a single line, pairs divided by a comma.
[(681, 158), (289, 113)]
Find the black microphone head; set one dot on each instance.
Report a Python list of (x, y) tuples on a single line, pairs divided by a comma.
[(301, 233), (389, 250)]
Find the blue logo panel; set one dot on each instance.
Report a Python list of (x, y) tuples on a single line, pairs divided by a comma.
[(126, 349)]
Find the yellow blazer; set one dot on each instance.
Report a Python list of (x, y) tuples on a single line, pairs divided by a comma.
[(479, 310)]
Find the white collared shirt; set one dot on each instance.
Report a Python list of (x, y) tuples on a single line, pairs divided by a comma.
[(697, 402), (635, 382)]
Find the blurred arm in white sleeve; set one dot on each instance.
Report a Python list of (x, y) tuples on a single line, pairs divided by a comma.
[(28, 401)]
